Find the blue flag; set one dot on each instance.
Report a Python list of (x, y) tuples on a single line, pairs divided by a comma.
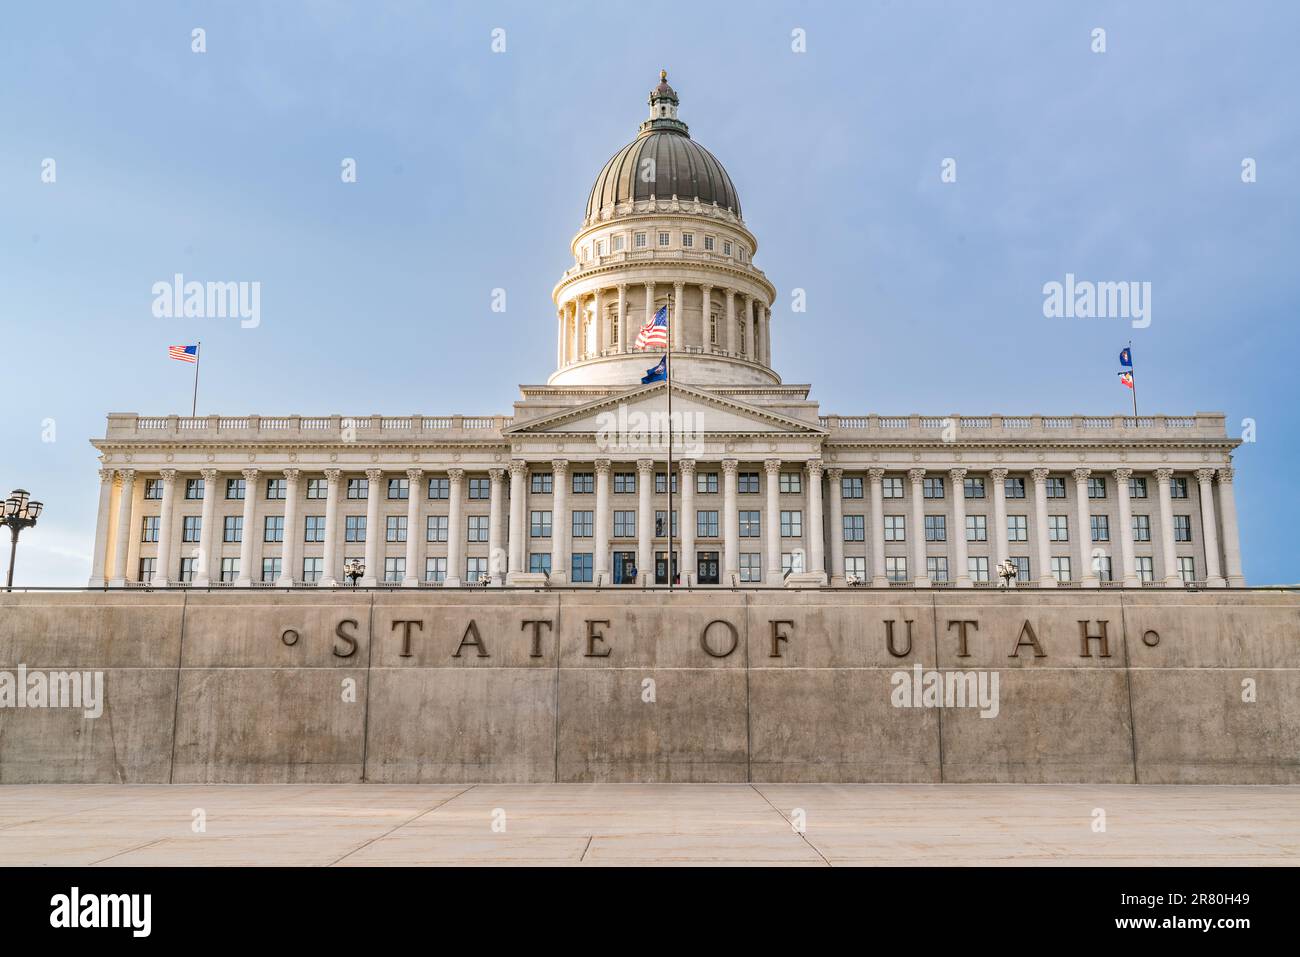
[(1126, 357), (658, 374)]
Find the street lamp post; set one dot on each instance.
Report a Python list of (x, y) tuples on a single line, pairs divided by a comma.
[(19, 513), (354, 570)]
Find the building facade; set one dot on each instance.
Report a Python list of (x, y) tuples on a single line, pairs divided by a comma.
[(575, 486)]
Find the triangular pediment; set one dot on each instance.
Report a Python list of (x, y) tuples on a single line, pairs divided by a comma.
[(692, 410)]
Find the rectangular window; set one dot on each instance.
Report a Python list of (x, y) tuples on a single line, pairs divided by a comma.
[(706, 483), (358, 488), (936, 568), (624, 523), (1101, 567), (1022, 567), (792, 523), (583, 483), (891, 486), (229, 569), (1187, 570), (855, 566), (1182, 528), (1058, 528), (270, 569), (624, 483), (317, 488), (747, 483), (659, 523), (194, 489), (1015, 487), (1061, 568), (749, 524), (1096, 488), (395, 528), (399, 488), (435, 528), (314, 528), (1141, 528), (1017, 528), (153, 488), (977, 528), (236, 489), (1100, 528), (751, 567), (932, 487), (581, 524), (1145, 568), (1178, 488), (312, 569), (1055, 486), (435, 570), (478, 528), (581, 567), (791, 563), (440, 488), (354, 528), (973, 487), (618, 243), (188, 566), (978, 569), (1137, 488), (480, 488), (663, 239), (708, 244), (688, 240), (638, 240), (661, 483), (851, 487), (790, 483), (191, 528), (232, 528), (936, 528), (149, 528), (854, 528), (706, 524), (539, 523), (895, 528), (726, 247), (394, 569), (896, 568), (273, 528), (476, 569), (541, 483), (276, 488), (539, 563)]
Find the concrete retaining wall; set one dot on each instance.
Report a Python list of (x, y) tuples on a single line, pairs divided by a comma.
[(507, 686)]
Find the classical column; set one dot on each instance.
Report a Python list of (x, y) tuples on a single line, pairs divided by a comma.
[(293, 535), (920, 572), (559, 342), (1128, 572), (1087, 574), (374, 534), (772, 521), (561, 523), (686, 523), (207, 533), (748, 344), (1231, 541), (878, 577), (247, 535), (413, 530), (649, 301), (329, 575), (678, 317), (765, 333), (729, 337), (706, 307), (518, 545), (960, 550), (602, 336), (600, 560), (125, 503), (1172, 579), (836, 492), (730, 523), (99, 560), (1045, 577), (621, 344), (1001, 549), (497, 558), (455, 528), (645, 521), (162, 571), (1209, 528), (816, 533)]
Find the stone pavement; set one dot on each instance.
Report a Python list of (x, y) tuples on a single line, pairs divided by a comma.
[(643, 824)]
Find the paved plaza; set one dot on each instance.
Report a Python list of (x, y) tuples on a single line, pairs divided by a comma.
[(656, 824)]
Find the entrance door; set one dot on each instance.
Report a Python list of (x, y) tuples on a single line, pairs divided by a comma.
[(661, 568), (625, 568), (706, 568)]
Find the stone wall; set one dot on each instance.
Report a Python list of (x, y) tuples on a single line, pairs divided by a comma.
[(522, 686)]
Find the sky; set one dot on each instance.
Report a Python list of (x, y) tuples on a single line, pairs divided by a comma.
[(473, 166)]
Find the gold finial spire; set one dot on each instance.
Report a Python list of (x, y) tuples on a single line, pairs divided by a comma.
[(663, 76)]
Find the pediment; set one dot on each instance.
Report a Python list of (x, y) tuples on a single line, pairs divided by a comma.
[(692, 411)]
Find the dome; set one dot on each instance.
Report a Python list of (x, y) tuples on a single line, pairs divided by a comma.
[(683, 168)]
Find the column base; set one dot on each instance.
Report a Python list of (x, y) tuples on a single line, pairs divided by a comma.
[(117, 583), (410, 581), (559, 578), (526, 579), (284, 581), (921, 582), (1173, 581), (96, 583), (879, 581), (1216, 582), (243, 583), (1091, 581), (446, 582), (1132, 581), (837, 581), (326, 583), (1048, 582), (806, 580), (201, 583), (963, 581), (368, 581), (1236, 581)]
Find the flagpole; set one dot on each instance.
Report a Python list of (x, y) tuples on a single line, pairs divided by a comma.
[(668, 369), (1133, 376), (194, 404)]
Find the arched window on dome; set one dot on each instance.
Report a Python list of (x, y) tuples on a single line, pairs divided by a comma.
[(713, 325)]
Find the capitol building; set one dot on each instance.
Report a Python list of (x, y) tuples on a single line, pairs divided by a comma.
[(574, 486)]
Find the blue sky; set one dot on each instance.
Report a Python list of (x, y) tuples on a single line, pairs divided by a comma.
[(474, 167)]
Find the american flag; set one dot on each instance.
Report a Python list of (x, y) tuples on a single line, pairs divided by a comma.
[(654, 334), (184, 353)]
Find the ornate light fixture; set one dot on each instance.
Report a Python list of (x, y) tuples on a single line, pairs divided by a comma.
[(19, 512), (354, 569)]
